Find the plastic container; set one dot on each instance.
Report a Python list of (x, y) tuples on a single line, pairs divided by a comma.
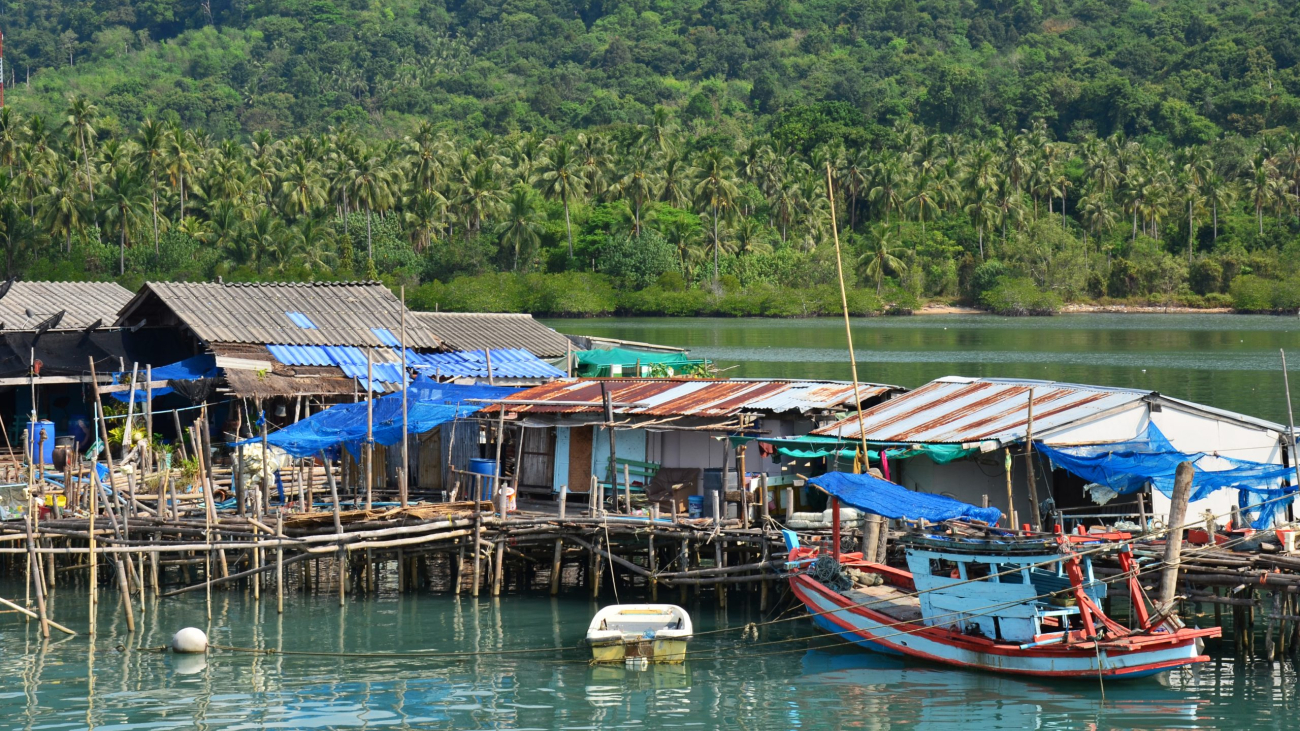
[(488, 468), (695, 506), (41, 452)]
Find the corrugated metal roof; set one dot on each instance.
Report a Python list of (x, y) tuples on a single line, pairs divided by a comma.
[(81, 302), (957, 410), (695, 397), (478, 330), (386, 362), (343, 313)]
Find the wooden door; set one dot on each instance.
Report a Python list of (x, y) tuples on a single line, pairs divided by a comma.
[(580, 459), (536, 468)]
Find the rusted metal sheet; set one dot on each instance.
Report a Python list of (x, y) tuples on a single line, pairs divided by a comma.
[(694, 397), (963, 410)]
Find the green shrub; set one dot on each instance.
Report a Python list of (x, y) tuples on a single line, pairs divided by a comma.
[(568, 294), (1252, 294), (638, 261), (1019, 296)]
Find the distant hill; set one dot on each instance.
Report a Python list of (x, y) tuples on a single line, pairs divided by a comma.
[(1188, 70)]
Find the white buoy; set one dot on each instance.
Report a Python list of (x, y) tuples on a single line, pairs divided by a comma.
[(190, 640), (189, 664)]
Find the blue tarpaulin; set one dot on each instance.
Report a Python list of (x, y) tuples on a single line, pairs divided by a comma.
[(190, 369), (429, 405), (1127, 466), (874, 495)]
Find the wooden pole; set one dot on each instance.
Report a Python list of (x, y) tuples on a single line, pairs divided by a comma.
[(265, 506), (487, 355), (743, 484), (279, 563), (130, 414), (496, 469), (1029, 466), (369, 453), (1174, 539), (1290, 420), (94, 560), (609, 427), (476, 546), (844, 304), (34, 569), (403, 484), (1011, 501)]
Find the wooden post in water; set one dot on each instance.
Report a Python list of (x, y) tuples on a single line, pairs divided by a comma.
[(279, 561), (478, 534), (652, 561), (743, 484), (1174, 539), (34, 570), (1029, 466)]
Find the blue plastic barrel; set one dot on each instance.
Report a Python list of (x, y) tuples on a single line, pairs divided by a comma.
[(38, 451), (487, 467), (695, 506)]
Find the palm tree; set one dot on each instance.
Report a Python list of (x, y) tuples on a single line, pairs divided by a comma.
[(749, 237), (81, 117), (152, 142), (264, 236), (62, 205), (888, 181), (674, 181), (559, 174), (1220, 194), (480, 195), (313, 244), (124, 204), (181, 160), (368, 185), (923, 201), (424, 214), (983, 212), (302, 187), (638, 184), (715, 188), (521, 227), (1096, 214), (880, 257)]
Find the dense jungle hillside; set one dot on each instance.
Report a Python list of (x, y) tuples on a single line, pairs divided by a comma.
[(662, 157)]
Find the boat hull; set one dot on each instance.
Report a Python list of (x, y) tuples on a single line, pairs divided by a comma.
[(655, 651), (881, 633)]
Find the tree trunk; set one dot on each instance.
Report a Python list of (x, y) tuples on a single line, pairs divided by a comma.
[(715, 244), (154, 194), (121, 250), (568, 227), (1191, 228), (370, 251)]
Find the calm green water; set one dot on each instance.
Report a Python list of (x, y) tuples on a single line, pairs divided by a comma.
[(1228, 361), (778, 686)]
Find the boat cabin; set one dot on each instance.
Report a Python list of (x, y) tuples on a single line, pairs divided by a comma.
[(1009, 603)]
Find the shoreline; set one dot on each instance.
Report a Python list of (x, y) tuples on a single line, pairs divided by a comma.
[(1083, 309)]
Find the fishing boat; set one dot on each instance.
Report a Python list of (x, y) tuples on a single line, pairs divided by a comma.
[(639, 634), (983, 598)]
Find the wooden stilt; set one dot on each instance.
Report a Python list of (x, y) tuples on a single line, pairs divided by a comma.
[(279, 563)]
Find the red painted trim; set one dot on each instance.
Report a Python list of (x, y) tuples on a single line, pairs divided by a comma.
[(802, 585)]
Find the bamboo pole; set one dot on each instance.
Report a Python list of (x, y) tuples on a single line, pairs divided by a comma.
[(403, 484), (844, 305), (279, 564), (369, 452), (478, 534), (34, 568), (24, 610), (1035, 513)]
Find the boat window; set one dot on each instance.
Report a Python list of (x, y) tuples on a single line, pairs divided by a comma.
[(1014, 577), (976, 571), (943, 567)]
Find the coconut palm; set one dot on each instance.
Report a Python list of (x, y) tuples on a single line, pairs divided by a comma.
[(559, 176), (81, 117), (125, 200), (714, 188), (62, 205), (983, 212), (521, 227), (152, 142), (369, 183), (638, 184), (302, 189), (881, 256)]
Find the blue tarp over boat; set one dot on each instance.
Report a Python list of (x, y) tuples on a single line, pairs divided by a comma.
[(874, 495), (429, 404)]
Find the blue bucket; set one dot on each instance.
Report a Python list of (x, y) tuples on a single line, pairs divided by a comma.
[(41, 452), (487, 468), (695, 506)]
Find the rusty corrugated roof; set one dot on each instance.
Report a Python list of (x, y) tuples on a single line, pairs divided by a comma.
[(956, 410), (694, 397)]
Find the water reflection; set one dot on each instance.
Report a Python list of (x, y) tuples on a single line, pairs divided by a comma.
[(939, 698)]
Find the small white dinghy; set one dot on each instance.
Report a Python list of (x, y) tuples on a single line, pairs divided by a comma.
[(639, 633)]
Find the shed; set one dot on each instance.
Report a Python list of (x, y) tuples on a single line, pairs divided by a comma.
[(468, 331), (664, 423), (989, 418)]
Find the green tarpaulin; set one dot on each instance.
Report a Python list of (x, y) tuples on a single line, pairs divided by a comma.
[(813, 447), (601, 362)]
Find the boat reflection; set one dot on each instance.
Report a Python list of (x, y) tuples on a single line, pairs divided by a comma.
[(942, 699), (614, 685)]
